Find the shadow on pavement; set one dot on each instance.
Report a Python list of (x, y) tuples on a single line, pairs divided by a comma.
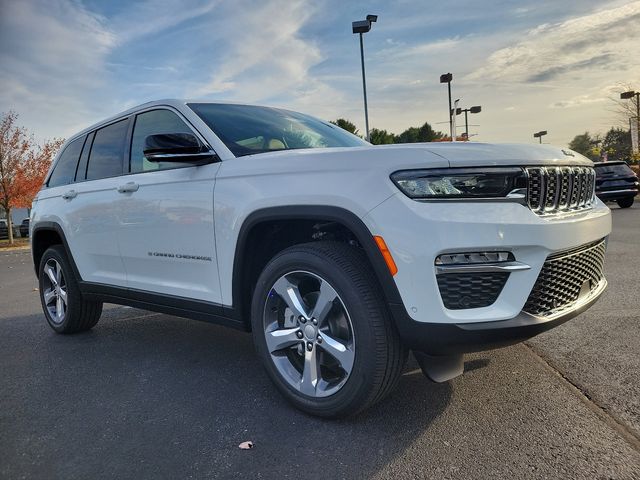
[(475, 364), (169, 398)]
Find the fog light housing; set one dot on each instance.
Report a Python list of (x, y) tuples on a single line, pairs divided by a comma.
[(473, 258)]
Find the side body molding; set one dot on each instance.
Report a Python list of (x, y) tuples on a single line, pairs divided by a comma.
[(169, 304)]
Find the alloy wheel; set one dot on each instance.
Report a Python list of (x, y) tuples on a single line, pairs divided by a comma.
[(309, 334), (55, 291)]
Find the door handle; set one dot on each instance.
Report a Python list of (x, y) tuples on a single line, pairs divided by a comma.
[(128, 187), (70, 194)]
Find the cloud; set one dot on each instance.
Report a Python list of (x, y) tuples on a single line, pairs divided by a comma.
[(58, 65), (579, 101), (151, 16), (272, 57), (551, 51), (50, 51), (539, 64)]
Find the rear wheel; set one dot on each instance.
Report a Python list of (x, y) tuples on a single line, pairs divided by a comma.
[(323, 332), (64, 307), (625, 202)]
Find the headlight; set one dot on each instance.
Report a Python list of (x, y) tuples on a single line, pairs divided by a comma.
[(462, 183)]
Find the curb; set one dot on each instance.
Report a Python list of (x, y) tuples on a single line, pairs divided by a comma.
[(15, 249)]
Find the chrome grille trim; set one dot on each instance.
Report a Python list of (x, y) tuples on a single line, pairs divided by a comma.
[(566, 279), (552, 190)]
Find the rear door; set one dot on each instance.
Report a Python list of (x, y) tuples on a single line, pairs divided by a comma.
[(166, 237), (91, 208)]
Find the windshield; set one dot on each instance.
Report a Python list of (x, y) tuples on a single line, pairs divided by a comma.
[(247, 129)]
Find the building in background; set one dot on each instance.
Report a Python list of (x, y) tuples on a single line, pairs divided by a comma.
[(17, 215)]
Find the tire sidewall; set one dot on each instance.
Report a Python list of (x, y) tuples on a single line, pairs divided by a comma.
[(359, 384), (58, 255)]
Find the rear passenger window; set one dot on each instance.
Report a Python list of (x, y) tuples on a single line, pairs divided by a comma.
[(105, 159), (65, 169), (153, 123)]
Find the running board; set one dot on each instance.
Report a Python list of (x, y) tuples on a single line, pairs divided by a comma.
[(440, 368)]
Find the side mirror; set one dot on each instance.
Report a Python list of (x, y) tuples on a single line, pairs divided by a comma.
[(177, 147)]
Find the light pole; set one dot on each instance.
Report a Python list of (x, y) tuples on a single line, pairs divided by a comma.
[(360, 27), (453, 116), (540, 134), (446, 78), (627, 96), (476, 109)]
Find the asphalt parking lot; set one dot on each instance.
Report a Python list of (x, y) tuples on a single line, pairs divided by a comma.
[(146, 395)]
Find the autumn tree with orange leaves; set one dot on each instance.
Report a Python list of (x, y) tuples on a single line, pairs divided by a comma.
[(23, 165)]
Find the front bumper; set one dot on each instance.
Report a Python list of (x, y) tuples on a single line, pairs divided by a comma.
[(608, 195), (418, 232), (452, 339)]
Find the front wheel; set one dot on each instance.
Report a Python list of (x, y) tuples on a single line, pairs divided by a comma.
[(625, 202), (323, 331)]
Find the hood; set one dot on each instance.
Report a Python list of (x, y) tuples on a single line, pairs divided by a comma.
[(463, 154), (436, 155)]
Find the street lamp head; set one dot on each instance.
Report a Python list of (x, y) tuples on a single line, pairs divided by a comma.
[(627, 95), (362, 26), (543, 132), (476, 109), (446, 78), (372, 18)]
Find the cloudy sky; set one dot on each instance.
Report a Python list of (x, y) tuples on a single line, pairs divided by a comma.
[(532, 65)]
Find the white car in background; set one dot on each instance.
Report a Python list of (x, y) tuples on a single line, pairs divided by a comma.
[(338, 255)]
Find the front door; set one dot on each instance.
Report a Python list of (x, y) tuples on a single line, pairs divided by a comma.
[(166, 235)]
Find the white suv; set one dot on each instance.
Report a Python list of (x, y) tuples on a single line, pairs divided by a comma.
[(340, 256)]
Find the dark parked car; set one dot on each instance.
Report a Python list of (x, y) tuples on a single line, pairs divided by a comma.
[(24, 228), (615, 181), (4, 231)]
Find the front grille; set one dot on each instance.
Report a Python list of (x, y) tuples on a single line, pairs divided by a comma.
[(560, 189), (470, 290), (565, 277)]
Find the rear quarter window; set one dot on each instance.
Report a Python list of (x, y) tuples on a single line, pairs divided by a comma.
[(64, 171)]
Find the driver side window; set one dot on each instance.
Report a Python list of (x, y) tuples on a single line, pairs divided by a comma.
[(153, 123)]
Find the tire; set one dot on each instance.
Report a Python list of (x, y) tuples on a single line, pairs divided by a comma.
[(353, 344), (57, 282), (625, 202)]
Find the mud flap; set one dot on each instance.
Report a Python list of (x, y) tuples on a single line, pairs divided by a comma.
[(440, 368)]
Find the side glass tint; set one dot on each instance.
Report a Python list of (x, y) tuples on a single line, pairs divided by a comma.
[(107, 151), (65, 169), (153, 123), (81, 172)]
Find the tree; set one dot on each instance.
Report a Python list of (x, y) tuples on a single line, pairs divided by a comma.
[(624, 108), (33, 170), (23, 165), (346, 125), (617, 144), (381, 137), (425, 133), (585, 144)]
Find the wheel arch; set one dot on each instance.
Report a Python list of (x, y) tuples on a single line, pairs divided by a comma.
[(257, 220), (43, 236)]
